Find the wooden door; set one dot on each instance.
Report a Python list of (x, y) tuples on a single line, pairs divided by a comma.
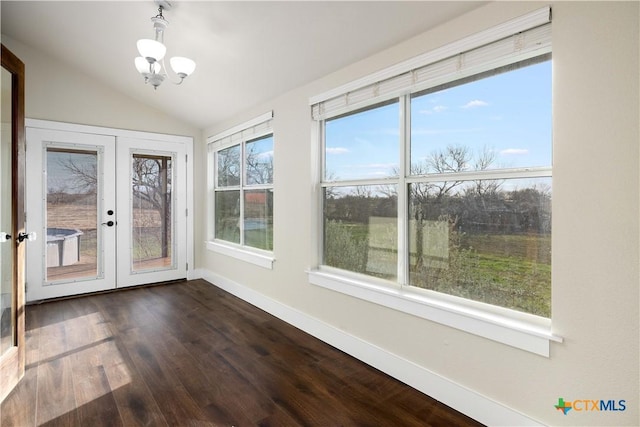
[(12, 253)]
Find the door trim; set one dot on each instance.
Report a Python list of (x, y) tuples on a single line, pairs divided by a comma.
[(141, 135)]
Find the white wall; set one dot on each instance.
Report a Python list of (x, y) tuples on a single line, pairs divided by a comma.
[(595, 225), (56, 91)]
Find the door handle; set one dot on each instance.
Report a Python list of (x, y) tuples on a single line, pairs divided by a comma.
[(30, 237), (109, 223), (4, 237)]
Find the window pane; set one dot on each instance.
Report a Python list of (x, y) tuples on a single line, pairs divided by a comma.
[(259, 161), (73, 237), (7, 304), (228, 216), (361, 229), (363, 144), (152, 212), (487, 240), (258, 219), (228, 166), (502, 121)]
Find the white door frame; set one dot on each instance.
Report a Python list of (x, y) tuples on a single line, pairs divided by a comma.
[(186, 141), (127, 147), (36, 187)]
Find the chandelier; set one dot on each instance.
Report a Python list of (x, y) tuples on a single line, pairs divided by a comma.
[(151, 62)]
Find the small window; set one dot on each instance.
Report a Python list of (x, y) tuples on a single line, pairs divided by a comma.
[(243, 187)]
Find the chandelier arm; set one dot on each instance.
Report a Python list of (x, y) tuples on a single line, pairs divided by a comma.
[(166, 73)]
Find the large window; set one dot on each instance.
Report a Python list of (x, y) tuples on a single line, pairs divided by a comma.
[(447, 186), (242, 175)]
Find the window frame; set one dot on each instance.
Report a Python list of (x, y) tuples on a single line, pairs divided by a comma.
[(518, 329), (241, 135)]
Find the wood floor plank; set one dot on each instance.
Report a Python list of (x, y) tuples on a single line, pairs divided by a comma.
[(156, 365), (18, 408), (55, 396), (190, 354)]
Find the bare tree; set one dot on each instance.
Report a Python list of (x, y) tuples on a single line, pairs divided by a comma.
[(151, 184), (428, 198), (85, 174), (259, 166), (485, 160), (453, 159), (228, 166)]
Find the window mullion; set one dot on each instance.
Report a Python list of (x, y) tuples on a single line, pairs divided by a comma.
[(321, 172), (404, 159), (242, 184)]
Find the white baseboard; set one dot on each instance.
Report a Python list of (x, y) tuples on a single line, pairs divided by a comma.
[(460, 398)]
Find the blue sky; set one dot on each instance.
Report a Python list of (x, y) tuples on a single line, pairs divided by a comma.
[(509, 114)]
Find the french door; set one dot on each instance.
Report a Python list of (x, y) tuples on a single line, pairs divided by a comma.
[(111, 211)]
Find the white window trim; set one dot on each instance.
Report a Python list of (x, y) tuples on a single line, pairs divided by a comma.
[(261, 258), (520, 330)]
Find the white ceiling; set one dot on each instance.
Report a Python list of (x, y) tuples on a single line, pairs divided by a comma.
[(246, 52)]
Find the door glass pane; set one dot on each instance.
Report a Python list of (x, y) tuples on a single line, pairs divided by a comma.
[(152, 212), (72, 214), (6, 246)]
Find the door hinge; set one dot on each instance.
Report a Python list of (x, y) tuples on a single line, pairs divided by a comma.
[(186, 158), (187, 267), (186, 212)]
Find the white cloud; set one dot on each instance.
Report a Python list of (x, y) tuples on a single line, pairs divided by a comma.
[(514, 152), (475, 103), (337, 150), (265, 155), (435, 109), (427, 131)]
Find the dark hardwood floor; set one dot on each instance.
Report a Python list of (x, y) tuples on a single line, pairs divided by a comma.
[(190, 354)]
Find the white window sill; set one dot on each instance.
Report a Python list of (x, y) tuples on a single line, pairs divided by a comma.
[(264, 260), (533, 336)]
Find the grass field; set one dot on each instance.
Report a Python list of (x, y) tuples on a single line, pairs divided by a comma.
[(508, 270)]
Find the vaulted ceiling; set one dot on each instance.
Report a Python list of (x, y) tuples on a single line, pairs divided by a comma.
[(246, 52)]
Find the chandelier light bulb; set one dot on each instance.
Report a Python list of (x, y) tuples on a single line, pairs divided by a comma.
[(143, 66), (151, 50), (182, 66)]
